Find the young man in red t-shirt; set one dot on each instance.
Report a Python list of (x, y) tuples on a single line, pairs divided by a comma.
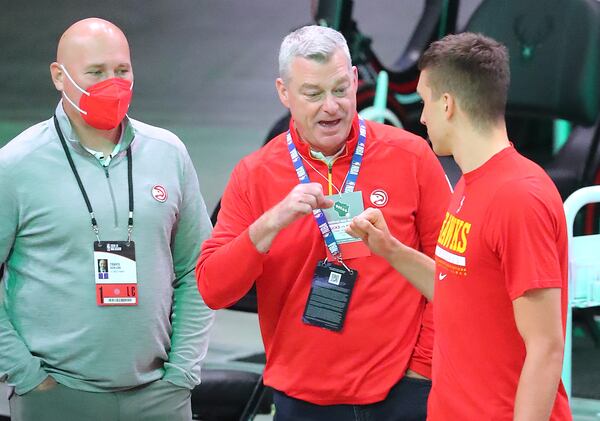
[(500, 270)]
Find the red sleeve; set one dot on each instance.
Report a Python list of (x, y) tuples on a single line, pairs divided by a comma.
[(420, 361), (434, 196), (525, 223), (229, 263)]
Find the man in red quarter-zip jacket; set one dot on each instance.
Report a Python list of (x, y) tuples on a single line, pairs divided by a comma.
[(344, 333)]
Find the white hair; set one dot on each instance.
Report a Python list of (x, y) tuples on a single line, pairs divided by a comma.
[(311, 42)]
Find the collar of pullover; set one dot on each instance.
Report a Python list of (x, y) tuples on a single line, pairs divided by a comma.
[(127, 132), (304, 148)]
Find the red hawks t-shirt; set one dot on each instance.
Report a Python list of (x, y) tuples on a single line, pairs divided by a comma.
[(504, 234)]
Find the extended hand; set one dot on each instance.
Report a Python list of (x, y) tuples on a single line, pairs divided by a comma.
[(415, 266), (370, 226)]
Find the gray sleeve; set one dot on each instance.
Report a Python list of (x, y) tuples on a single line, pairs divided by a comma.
[(191, 318), (17, 365)]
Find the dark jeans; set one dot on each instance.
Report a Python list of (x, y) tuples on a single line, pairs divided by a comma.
[(407, 401)]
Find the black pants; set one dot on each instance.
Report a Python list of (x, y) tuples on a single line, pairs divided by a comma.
[(407, 401)]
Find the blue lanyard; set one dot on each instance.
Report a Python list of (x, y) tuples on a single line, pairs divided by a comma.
[(357, 158)]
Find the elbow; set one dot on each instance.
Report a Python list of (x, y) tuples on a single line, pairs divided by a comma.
[(206, 298), (555, 355), (430, 296), (549, 351), (209, 299), (555, 347), (428, 292), (557, 351), (206, 292)]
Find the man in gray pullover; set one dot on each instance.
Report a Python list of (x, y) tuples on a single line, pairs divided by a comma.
[(101, 222)]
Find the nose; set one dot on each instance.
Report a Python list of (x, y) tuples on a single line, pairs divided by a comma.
[(422, 118), (330, 104)]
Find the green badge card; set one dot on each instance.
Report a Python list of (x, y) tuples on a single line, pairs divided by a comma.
[(345, 207)]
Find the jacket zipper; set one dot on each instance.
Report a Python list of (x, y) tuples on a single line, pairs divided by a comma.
[(112, 196)]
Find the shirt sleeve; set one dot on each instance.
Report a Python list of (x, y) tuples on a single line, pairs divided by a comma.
[(525, 227), (17, 365), (230, 263), (191, 319), (434, 196)]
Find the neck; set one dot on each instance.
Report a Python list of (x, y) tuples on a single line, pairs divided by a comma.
[(329, 152), (98, 140), (475, 147)]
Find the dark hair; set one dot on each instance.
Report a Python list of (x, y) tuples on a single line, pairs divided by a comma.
[(472, 67)]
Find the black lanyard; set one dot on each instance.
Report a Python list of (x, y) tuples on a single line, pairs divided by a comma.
[(83, 192)]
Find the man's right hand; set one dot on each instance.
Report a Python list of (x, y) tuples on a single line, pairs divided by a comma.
[(47, 384), (299, 202), (416, 267)]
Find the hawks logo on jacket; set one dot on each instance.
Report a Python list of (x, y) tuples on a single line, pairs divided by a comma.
[(159, 193), (379, 198)]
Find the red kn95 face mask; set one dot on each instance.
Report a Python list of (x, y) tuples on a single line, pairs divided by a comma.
[(104, 104)]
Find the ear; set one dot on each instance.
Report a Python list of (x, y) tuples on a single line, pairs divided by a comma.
[(57, 76), (449, 105), (282, 91)]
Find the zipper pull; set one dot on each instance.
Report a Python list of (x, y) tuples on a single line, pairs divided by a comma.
[(330, 177)]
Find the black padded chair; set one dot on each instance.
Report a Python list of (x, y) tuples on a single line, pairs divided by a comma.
[(233, 395), (554, 48), (230, 395)]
